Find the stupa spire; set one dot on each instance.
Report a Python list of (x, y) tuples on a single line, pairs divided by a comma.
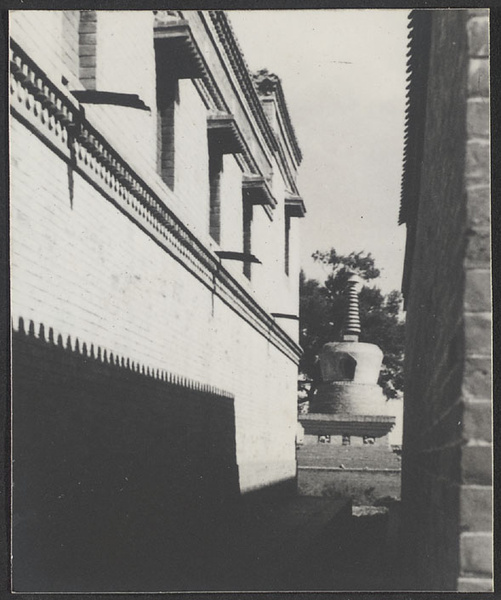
[(351, 329)]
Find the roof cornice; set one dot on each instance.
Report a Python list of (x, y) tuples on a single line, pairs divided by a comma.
[(63, 127), (267, 84), (415, 118), (417, 75), (241, 70)]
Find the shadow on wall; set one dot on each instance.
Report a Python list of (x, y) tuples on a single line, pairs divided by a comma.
[(113, 466)]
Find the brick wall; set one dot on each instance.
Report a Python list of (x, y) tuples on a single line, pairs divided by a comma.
[(104, 254), (231, 224), (446, 477), (125, 63), (31, 27), (70, 46), (191, 171), (359, 456), (476, 490), (88, 272), (364, 487)]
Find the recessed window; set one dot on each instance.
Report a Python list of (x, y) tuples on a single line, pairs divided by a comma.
[(247, 227), (167, 99), (215, 174), (346, 440), (287, 244)]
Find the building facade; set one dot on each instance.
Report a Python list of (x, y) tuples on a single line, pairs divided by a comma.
[(154, 295), (447, 438)]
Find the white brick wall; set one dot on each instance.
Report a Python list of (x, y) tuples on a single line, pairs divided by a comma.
[(231, 212), (88, 272), (126, 64), (83, 268), (41, 34), (192, 155)]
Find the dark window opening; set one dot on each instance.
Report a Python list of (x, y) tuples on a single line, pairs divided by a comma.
[(247, 218), (324, 439), (346, 440), (167, 98), (215, 173), (287, 244)]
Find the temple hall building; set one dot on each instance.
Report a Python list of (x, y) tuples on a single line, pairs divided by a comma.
[(155, 266)]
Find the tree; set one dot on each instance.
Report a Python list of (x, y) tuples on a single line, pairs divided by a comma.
[(323, 307)]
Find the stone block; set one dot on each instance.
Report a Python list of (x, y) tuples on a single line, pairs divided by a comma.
[(477, 420), (477, 378), (478, 36), (477, 117), (88, 61), (478, 205), (87, 26), (88, 15), (88, 39), (478, 77), (475, 584), (477, 292), (476, 553), (87, 49), (476, 508), (476, 464), (478, 12), (477, 162), (478, 333), (478, 247)]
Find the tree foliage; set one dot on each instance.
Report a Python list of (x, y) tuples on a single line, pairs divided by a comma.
[(323, 307)]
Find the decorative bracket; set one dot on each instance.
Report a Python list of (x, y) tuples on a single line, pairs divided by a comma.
[(285, 316), (257, 191), (118, 99), (294, 205), (225, 134), (242, 256), (177, 53)]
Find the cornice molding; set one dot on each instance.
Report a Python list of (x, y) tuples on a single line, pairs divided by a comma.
[(177, 55), (257, 191), (294, 205), (234, 53), (268, 84), (224, 132), (415, 116), (60, 123), (323, 424)]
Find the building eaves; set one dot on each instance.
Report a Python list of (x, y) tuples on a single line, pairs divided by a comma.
[(242, 72), (267, 83), (417, 74), (415, 117)]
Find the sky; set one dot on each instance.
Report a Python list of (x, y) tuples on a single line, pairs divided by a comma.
[(343, 75)]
